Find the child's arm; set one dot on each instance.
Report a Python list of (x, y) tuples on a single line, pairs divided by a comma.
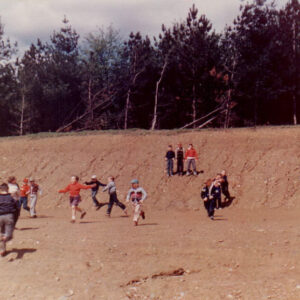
[(106, 187), (128, 196), (144, 195), (66, 189), (85, 187)]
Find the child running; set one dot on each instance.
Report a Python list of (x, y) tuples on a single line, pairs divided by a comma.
[(8, 217), (74, 189), (33, 194), (113, 199), (96, 184), (24, 192), (136, 195)]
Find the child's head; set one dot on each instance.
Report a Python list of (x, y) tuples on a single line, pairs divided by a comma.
[(31, 180), (219, 177), (111, 178), (179, 145), (25, 180), (216, 183), (190, 146), (3, 188), (134, 183), (12, 179), (170, 147), (94, 178), (74, 178), (208, 182), (223, 172)]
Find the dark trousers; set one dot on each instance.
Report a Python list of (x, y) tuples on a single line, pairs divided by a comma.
[(211, 207), (113, 199), (94, 193), (226, 192), (206, 205), (218, 202), (23, 201), (170, 167), (180, 166)]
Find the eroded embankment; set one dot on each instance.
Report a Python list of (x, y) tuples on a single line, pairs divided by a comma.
[(263, 165)]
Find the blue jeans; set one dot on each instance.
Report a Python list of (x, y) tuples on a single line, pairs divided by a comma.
[(170, 167), (23, 200), (94, 193)]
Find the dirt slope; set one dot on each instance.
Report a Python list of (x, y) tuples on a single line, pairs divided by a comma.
[(263, 164), (177, 253)]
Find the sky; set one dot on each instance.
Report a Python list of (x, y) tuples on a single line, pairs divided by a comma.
[(26, 20)]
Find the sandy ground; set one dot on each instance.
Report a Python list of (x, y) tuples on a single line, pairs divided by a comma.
[(251, 250), (237, 256)]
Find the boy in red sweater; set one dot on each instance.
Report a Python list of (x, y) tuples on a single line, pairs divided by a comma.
[(74, 189), (191, 156), (24, 192)]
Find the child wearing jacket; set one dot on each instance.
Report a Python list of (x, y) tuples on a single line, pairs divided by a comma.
[(24, 192), (113, 199), (96, 184), (214, 196), (205, 195), (9, 213), (180, 159), (136, 195), (170, 156), (191, 156), (74, 190)]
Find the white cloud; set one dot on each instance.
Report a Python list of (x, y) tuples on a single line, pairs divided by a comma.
[(27, 20)]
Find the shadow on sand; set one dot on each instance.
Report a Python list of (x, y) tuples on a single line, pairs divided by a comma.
[(20, 252)]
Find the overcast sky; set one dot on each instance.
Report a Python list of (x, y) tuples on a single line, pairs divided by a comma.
[(26, 20)]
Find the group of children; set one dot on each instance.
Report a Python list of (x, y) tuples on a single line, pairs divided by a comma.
[(136, 196), (211, 193), (190, 156), (12, 198)]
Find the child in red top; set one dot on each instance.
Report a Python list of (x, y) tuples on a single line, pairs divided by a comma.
[(191, 156), (74, 189), (24, 192)]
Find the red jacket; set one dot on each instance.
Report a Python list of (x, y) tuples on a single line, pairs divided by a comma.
[(24, 190), (74, 188), (191, 153)]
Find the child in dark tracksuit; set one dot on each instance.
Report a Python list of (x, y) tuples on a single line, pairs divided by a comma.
[(113, 199), (170, 155), (224, 185), (205, 195), (215, 197), (180, 159), (96, 184)]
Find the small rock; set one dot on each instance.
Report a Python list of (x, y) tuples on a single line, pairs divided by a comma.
[(229, 296), (57, 278), (298, 286)]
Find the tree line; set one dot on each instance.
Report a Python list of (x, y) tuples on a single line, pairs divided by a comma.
[(189, 76)]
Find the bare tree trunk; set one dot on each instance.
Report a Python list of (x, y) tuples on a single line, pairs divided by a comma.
[(295, 75), (227, 117), (154, 120), (90, 99), (128, 99), (126, 109), (194, 104), (22, 114)]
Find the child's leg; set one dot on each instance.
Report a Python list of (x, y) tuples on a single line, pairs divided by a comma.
[(25, 205), (136, 214), (188, 166), (110, 204), (33, 199), (193, 162), (73, 212), (96, 202)]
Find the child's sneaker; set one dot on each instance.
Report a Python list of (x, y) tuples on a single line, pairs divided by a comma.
[(135, 223), (72, 221)]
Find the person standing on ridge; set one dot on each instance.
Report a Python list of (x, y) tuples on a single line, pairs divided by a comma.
[(191, 156)]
